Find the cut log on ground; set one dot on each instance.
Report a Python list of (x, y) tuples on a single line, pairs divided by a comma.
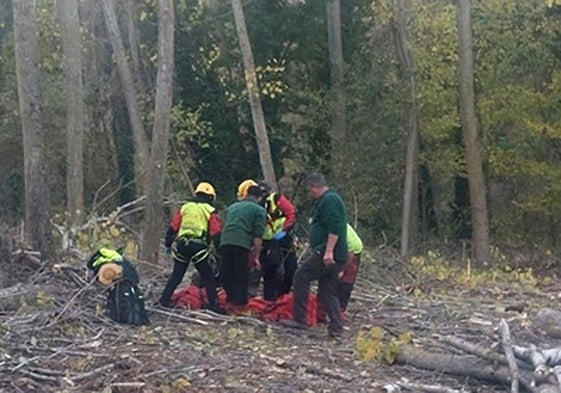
[(462, 365), (509, 353)]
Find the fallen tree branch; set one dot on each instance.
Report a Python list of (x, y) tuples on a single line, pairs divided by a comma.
[(509, 353), (70, 302), (38, 377), (473, 349), (420, 387), (177, 316), (557, 373), (551, 357), (91, 373), (310, 369), (461, 365), (129, 385), (541, 371), (19, 290)]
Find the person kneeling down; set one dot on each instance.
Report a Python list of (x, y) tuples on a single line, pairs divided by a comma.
[(125, 301)]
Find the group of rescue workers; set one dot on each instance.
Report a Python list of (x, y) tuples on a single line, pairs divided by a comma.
[(255, 240)]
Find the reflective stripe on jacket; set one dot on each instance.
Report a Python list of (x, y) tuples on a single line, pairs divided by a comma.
[(275, 217), (106, 255)]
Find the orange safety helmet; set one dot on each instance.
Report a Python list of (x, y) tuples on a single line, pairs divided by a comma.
[(244, 186), (206, 188)]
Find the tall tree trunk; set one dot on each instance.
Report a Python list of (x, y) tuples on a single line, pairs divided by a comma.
[(263, 146), (105, 123), (37, 201), (133, 44), (72, 45), (409, 217), (141, 148), (160, 134), (90, 15), (338, 113), (477, 188)]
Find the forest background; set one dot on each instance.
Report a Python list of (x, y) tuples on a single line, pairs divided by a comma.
[(382, 107)]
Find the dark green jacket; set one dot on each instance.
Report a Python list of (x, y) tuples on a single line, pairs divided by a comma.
[(329, 217), (244, 221)]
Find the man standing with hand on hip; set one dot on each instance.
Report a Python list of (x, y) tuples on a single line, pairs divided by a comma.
[(328, 246)]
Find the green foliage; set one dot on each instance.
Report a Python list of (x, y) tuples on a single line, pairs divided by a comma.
[(433, 266), (375, 345), (99, 233), (518, 87)]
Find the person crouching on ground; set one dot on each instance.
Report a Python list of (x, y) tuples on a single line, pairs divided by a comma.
[(240, 242), (189, 235)]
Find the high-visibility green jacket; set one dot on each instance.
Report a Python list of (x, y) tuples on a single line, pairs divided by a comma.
[(354, 242)]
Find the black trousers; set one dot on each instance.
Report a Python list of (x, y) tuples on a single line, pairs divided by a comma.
[(183, 251), (278, 265), (313, 268), (235, 274), (272, 268), (290, 261), (344, 293)]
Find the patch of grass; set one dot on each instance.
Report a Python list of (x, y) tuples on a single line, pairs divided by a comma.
[(434, 266), (375, 345)]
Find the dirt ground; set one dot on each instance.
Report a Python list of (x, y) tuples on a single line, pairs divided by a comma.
[(55, 338)]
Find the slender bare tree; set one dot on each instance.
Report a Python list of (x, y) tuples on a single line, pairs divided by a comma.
[(476, 177), (134, 47), (139, 135), (160, 134), (72, 46), (409, 219), (37, 201), (338, 112), (265, 157)]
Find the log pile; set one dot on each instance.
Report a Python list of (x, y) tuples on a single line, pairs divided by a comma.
[(469, 337), (524, 369)]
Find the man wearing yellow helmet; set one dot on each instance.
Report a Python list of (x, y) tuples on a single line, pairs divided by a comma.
[(188, 238), (244, 186), (240, 243)]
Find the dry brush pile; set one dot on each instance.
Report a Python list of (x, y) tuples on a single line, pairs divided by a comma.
[(406, 331)]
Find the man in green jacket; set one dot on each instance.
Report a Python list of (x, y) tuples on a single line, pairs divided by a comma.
[(240, 244), (328, 253)]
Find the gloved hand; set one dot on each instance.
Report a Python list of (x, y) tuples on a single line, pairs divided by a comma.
[(279, 235), (167, 251)]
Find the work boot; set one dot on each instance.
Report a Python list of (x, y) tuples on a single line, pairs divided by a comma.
[(293, 324), (336, 336)]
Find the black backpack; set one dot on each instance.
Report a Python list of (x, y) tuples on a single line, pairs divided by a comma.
[(125, 304)]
